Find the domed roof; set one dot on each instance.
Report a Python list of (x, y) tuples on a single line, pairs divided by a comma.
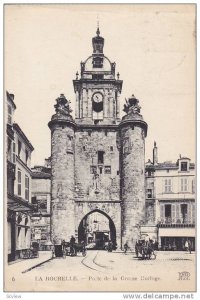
[(90, 66)]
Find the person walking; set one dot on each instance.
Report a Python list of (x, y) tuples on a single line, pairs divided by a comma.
[(189, 246), (125, 247), (72, 243), (186, 245)]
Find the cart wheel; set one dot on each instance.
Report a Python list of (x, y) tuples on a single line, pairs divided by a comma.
[(153, 256)]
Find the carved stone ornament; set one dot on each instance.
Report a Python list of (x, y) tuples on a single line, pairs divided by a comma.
[(62, 106), (132, 105)]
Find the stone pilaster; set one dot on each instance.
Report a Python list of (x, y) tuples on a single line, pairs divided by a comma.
[(132, 137), (62, 178)]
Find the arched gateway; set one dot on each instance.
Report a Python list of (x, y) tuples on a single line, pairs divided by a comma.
[(95, 219), (97, 228), (97, 159)]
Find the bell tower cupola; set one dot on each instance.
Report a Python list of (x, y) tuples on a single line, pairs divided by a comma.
[(98, 43), (98, 89)]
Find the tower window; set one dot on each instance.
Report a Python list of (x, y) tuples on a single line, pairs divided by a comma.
[(100, 157), (93, 169), (111, 148), (97, 62), (100, 169), (149, 193), (107, 169)]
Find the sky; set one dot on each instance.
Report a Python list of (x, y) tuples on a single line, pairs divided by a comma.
[(154, 50)]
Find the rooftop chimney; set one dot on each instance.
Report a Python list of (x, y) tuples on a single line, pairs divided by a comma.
[(155, 154)]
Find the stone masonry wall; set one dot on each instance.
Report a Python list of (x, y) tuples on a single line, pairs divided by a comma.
[(63, 224), (103, 192), (106, 186), (133, 182)]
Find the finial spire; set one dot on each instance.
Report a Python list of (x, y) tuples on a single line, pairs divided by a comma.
[(98, 31), (98, 41)]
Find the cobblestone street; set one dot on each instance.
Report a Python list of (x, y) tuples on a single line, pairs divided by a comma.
[(103, 271)]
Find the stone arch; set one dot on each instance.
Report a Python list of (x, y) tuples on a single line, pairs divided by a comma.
[(82, 228)]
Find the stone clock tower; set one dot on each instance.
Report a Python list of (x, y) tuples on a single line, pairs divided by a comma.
[(97, 159), (97, 90)]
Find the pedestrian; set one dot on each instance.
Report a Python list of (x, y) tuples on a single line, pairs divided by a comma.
[(63, 244), (72, 247), (72, 240), (186, 245), (190, 246), (110, 245), (137, 248), (125, 247)]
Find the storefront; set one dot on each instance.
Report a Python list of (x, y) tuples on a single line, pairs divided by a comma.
[(18, 226), (175, 238)]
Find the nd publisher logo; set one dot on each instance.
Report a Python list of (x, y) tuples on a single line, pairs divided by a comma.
[(184, 275)]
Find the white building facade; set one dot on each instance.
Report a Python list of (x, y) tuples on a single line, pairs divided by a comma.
[(170, 202), (19, 207)]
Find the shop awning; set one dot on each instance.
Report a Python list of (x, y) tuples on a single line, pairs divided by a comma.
[(176, 232), (17, 204)]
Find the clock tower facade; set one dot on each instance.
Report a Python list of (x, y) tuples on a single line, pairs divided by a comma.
[(97, 159), (97, 91)]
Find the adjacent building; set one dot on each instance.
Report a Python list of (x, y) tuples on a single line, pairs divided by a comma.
[(19, 207), (41, 196), (170, 202)]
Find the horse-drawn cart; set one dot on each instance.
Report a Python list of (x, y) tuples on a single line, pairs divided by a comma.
[(68, 249), (145, 249), (73, 250)]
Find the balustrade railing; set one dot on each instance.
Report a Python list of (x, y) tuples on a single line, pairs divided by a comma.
[(176, 222)]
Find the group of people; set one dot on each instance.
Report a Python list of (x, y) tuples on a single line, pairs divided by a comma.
[(148, 243)]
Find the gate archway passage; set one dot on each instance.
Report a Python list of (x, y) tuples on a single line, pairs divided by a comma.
[(96, 229), (98, 222)]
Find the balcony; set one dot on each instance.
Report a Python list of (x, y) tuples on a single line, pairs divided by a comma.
[(178, 223)]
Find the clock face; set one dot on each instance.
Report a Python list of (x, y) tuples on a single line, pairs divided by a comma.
[(97, 102), (97, 97)]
